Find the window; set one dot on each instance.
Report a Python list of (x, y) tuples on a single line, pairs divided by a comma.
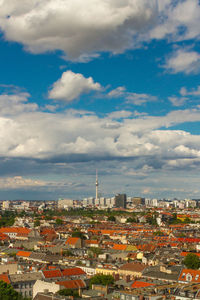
[(197, 277), (183, 275), (188, 277)]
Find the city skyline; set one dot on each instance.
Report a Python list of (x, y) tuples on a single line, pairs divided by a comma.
[(107, 85)]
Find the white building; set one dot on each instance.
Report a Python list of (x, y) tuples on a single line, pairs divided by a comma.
[(65, 203), (5, 205)]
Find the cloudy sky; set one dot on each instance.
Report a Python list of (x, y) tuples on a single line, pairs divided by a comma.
[(112, 85)]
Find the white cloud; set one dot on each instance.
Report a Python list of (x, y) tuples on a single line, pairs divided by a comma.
[(177, 101), (11, 104), (193, 92), (79, 28), (19, 182), (75, 136), (74, 143), (120, 114), (178, 20), (71, 85), (183, 60), (130, 97)]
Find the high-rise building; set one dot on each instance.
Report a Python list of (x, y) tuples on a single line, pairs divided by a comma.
[(138, 201), (120, 200), (97, 185)]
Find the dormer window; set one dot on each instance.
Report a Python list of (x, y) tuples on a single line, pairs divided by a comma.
[(197, 277), (188, 277)]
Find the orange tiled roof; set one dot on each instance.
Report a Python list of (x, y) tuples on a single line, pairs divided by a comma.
[(72, 240), (91, 242), (190, 275), (134, 267), (186, 253), (140, 284), (23, 253), (5, 278), (52, 273), (119, 247), (73, 272), (72, 284), (3, 236), (22, 230), (48, 231)]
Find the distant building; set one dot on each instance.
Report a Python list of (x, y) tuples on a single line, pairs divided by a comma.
[(5, 205), (65, 203), (138, 201), (120, 200)]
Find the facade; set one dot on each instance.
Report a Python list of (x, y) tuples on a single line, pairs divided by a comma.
[(120, 200), (65, 203)]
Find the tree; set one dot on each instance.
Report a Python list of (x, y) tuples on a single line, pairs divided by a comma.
[(8, 293), (151, 220), (36, 223), (59, 222), (112, 219), (101, 279), (192, 261), (68, 292), (187, 220), (78, 234), (131, 220), (95, 251)]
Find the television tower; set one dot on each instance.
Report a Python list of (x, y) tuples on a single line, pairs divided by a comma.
[(97, 184)]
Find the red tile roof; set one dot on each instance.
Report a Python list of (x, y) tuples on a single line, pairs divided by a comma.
[(3, 237), (52, 273), (72, 240), (73, 272), (20, 231), (190, 275), (23, 253), (5, 278), (48, 231), (72, 284), (186, 253), (133, 267), (119, 247), (140, 284), (89, 242)]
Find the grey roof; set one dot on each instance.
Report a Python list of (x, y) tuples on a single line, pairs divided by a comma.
[(39, 256), (25, 277), (154, 272)]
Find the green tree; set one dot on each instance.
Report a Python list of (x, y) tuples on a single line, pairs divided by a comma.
[(95, 251), (192, 261), (68, 292), (59, 222), (67, 253), (151, 220), (187, 220), (78, 234), (112, 219), (101, 279), (8, 293), (36, 223), (131, 220)]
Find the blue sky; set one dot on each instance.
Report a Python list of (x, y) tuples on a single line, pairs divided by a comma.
[(108, 85)]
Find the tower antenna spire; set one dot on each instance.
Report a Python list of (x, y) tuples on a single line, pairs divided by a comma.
[(97, 185)]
